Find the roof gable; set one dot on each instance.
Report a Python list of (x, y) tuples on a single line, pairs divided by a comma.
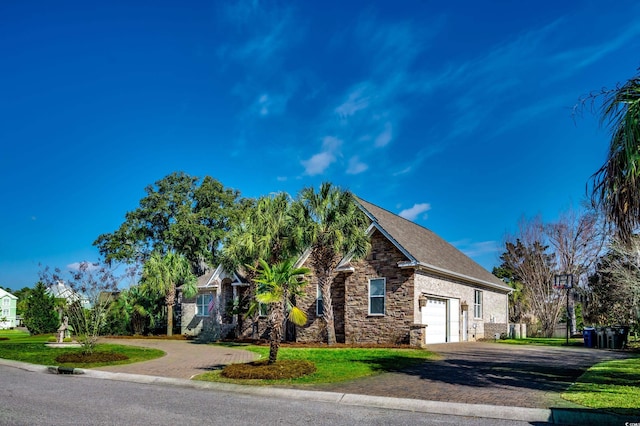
[(4, 293), (426, 249)]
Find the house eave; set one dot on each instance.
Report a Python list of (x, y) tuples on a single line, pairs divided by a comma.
[(463, 277)]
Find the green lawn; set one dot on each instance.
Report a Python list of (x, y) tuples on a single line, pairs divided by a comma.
[(334, 364), (21, 346), (613, 386)]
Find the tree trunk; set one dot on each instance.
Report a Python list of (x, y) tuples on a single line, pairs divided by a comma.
[(327, 308), (170, 299), (276, 318), (169, 320)]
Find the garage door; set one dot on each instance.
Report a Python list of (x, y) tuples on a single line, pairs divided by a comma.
[(434, 315)]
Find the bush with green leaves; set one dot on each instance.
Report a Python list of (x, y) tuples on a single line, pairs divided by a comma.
[(40, 316)]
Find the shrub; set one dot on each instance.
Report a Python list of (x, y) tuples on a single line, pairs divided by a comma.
[(51, 339), (284, 369), (40, 315), (67, 340)]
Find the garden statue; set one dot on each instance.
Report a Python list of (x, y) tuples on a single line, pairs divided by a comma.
[(62, 330)]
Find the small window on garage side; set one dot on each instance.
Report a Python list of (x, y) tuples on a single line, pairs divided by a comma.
[(376, 296), (477, 304), (319, 302)]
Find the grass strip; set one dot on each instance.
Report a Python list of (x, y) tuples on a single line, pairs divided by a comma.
[(613, 386)]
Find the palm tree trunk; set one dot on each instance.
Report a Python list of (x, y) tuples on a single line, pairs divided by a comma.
[(169, 320), (276, 317), (170, 299), (327, 308)]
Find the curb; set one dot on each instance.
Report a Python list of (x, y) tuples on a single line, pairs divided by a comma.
[(539, 415)]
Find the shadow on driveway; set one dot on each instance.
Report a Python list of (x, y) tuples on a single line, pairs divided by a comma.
[(486, 373)]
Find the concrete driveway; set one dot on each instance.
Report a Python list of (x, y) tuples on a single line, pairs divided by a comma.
[(486, 373)]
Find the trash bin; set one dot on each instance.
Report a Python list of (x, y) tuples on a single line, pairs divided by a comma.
[(601, 337), (619, 334), (589, 335), (609, 335)]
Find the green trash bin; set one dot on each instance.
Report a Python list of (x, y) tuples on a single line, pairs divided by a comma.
[(601, 338)]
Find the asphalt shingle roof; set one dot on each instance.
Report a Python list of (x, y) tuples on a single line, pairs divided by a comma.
[(427, 248)]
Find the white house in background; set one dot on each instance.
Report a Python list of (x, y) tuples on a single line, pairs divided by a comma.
[(61, 291), (8, 304)]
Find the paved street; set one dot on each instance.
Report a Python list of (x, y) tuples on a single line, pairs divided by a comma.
[(28, 398)]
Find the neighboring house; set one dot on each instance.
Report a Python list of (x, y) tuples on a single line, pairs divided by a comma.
[(412, 288), (61, 291), (8, 304)]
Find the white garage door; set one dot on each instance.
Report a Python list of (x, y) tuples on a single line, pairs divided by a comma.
[(434, 315)]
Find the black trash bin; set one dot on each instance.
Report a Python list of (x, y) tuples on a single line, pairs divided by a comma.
[(589, 336), (619, 335)]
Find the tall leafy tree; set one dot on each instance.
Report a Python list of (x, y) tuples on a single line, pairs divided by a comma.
[(162, 274), (40, 315), (616, 185), (276, 286), (179, 213), (334, 227)]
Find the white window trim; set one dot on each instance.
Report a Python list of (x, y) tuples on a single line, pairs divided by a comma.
[(477, 305), (205, 310), (384, 297)]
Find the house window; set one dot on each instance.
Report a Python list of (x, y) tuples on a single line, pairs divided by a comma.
[(5, 301), (376, 296), (319, 302), (5, 312), (263, 309), (204, 304), (477, 304)]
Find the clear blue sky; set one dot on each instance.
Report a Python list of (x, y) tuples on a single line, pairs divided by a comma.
[(456, 114)]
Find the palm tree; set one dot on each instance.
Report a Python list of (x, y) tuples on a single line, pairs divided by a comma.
[(334, 227), (162, 274), (616, 185), (277, 286), (268, 231)]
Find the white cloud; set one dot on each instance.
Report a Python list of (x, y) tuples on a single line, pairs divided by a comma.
[(385, 137), (318, 163), (270, 105), (356, 101), (413, 212), (356, 166), (473, 249), (75, 266)]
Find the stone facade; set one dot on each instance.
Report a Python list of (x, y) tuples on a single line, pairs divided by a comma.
[(350, 298)]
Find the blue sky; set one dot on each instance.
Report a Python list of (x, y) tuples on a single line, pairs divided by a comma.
[(457, 115)]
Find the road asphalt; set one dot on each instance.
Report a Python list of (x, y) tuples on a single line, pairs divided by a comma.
[(473, 379)]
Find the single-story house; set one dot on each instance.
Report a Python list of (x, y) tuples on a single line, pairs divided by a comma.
[(413, 288), (8, 304)]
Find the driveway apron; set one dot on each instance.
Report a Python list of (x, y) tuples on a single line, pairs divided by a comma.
[(486, 373)]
